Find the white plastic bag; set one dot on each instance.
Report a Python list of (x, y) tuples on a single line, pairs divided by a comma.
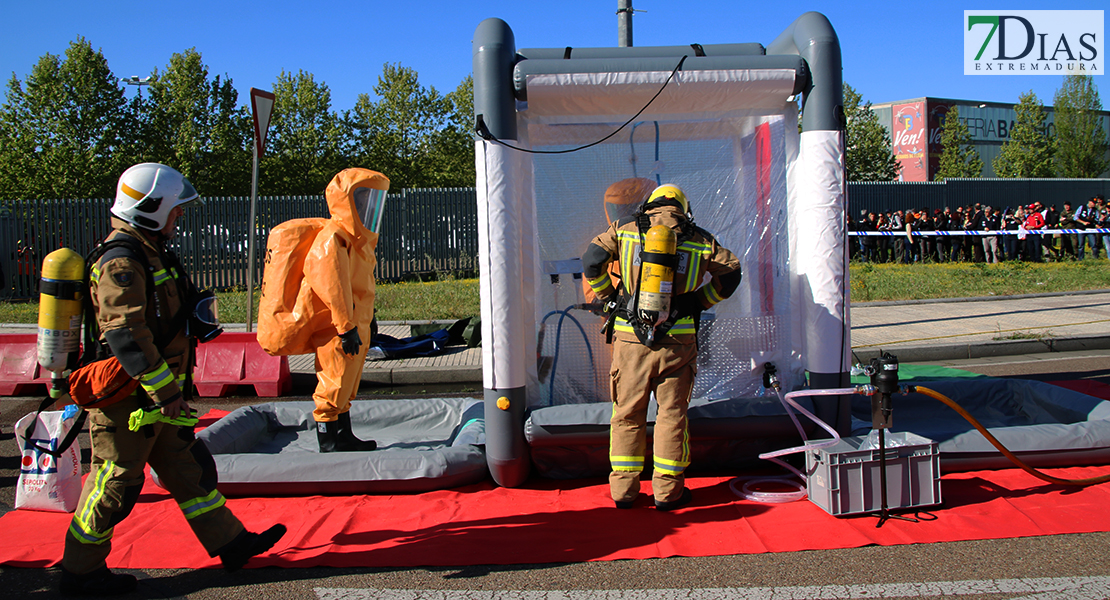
[(45, 482)]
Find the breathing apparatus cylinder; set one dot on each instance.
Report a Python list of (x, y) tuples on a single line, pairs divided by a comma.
[(60, 294), (657, 264)]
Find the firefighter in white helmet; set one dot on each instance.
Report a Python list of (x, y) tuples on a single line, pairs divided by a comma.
[(140, 320), (655, 335)]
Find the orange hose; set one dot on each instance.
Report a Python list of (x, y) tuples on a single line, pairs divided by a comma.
[(997, 444)]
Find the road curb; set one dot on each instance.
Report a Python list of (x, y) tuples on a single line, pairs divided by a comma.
[(985, 349)]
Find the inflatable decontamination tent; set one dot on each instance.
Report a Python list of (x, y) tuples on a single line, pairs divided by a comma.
[(559, 126)]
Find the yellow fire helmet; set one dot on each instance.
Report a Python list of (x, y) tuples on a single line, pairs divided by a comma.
[(669, 194)]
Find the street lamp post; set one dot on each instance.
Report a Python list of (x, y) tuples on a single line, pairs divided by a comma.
[(135, 80)]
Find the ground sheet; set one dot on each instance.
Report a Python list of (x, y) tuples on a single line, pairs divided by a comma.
[(567, 521)]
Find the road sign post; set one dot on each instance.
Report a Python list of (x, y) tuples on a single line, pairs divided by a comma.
[(262, 105)]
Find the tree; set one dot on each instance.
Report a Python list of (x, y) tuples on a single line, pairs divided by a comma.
[(62, 134), (1080, 139), (397, 134), (191, 123), (1029, 149), (868, 155), (453, 146), (959, 158), (305, 142)]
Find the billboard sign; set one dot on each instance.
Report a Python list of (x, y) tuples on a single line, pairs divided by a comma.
[(908, 134)]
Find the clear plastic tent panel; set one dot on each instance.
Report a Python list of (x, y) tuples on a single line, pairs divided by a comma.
[(733, 167)]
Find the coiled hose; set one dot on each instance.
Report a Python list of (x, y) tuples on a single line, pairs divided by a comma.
[(745, 487), (997, 444)]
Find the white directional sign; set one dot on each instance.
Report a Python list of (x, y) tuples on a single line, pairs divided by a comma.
[(262, 104)]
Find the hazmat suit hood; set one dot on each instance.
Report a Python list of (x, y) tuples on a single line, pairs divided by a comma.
[(341, 193)]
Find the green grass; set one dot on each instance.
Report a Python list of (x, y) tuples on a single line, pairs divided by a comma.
[(875, 282), (446, 299), (450, 299)]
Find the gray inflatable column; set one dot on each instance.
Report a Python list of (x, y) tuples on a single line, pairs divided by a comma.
[(503, 230), (821, 207)]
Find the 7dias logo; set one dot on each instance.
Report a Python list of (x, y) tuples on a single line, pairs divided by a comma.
[(1033, 42)]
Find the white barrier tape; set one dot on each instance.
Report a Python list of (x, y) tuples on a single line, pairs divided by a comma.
[(980, 233)]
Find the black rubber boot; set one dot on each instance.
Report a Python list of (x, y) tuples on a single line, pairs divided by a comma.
[(345, 437), (101, 582), (246, 545), (325, 434)]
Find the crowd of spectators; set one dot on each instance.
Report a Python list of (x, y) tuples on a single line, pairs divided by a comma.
[(1023, 244)]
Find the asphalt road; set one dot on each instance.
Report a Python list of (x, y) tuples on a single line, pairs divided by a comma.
[(1062, 566)]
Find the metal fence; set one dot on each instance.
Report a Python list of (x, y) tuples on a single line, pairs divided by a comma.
[(425, 231)]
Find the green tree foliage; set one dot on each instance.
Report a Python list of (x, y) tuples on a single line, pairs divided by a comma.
[(1080, 139), (305, 142), (69, 130), (1028, 152), (191, 122), (62, 132), (868, 155), (959, 158), (413, 134), (453, 146)]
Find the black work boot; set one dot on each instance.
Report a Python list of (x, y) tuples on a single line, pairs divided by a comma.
[(682, 500), (345, 437), (246, 545), (100, 582)]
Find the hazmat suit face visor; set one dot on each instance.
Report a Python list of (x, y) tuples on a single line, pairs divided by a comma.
[(369, 207)]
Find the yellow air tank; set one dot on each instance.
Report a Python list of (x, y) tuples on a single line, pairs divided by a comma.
[(60, 294), (657, 275)]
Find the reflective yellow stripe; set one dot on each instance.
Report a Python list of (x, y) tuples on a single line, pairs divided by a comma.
[(205, 504), (162, 276), (670, 466), (95, 275), (601, 283), (683, 326), (80, 525), (631, 464), (711, 295), (156, 379)]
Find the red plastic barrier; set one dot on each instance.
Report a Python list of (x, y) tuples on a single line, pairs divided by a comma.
[(20, 373), (234, 359)]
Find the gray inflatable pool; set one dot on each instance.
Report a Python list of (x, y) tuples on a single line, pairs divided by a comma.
[(423, 444)]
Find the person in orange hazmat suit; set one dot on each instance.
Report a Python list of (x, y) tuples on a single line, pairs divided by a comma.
[(622, 199), (339, 276)]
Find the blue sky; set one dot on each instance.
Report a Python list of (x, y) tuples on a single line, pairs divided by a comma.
[(892, 50)]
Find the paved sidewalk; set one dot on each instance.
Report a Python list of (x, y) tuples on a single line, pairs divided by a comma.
[(915, 331)]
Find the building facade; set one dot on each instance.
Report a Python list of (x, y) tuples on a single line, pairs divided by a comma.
[(915, 127)]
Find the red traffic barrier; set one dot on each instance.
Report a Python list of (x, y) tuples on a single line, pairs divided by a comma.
[(234, 359), (20, 373)]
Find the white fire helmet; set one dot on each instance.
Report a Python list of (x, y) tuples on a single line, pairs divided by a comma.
[(147, 192)]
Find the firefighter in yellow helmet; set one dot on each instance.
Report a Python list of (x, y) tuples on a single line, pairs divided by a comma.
[(655, 335), (339, 270)]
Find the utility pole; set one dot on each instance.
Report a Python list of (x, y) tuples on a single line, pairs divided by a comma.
[(624, 23)]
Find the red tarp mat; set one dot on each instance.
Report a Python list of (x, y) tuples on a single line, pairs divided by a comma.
[(565, 521), (560, 521), (1090, 387)]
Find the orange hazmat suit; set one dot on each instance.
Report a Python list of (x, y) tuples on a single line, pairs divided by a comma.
[(334, 296), (339, 271)]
